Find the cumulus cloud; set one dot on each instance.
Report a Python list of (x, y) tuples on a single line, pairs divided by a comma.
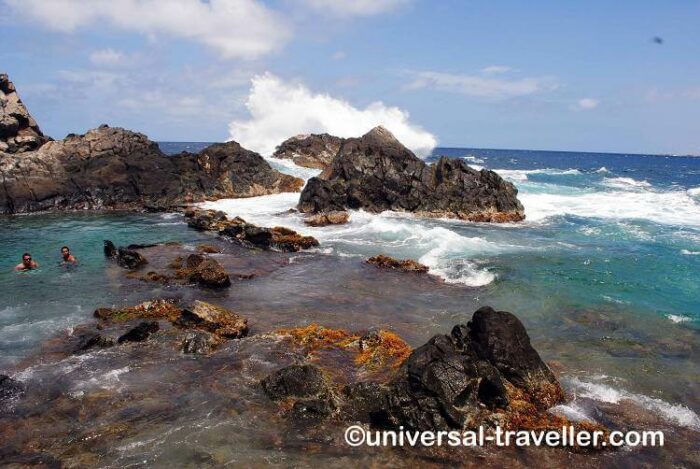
[(108, 58), (494, 69), (279, 110), (234, 28), (354, 7), (480, 86), (586, 104)]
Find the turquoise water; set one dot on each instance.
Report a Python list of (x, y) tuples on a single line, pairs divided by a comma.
[(37, 304), (605, 271)]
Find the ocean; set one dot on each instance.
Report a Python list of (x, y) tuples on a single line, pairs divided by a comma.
[(604, 271)]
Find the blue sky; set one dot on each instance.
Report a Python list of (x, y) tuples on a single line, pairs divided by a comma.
[(508, 74)]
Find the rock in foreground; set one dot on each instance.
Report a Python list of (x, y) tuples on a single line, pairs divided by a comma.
[(310, 151), (376, 173), (482, 372)]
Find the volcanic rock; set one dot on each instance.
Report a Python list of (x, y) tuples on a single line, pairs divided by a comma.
[(140, 333), (114, 168), (310, 151), (198, 342), (376, 173), (206, 272), (215, 319), (9, 388), (19, 131), (130, 259), (404, 265), (330, 218), (247, 234), (294, 381)]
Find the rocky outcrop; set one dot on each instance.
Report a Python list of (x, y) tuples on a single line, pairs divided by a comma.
[(310, 150), (117, 169), (404, 265), (19, 131), (215, 319), (140, 333), (376, 173), (206, 272), (483, 372), (247, 234), (327, 218)]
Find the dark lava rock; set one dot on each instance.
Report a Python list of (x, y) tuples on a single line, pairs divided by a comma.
[(19, 131), (376, 173), (110, 249), (207, 272), (198, 342), (500, 338), (140, 333), (114, 168), (10, 388), (130, 259), (316, 408), (91, 340), (311, 151), (249, 235), (294, 381)]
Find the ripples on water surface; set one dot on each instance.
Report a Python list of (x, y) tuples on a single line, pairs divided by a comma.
[(605, 273)]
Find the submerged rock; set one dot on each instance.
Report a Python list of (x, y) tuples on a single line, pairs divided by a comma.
[(130, 259), (335, 217), (198, 342), (91, 340), (310, 151), (114, 168), (19, 131), (294, 381), (10, 388), (404, 265), (247, 234), (206, 272), (376, 173)]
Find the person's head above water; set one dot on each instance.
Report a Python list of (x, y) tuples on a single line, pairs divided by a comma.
[(67, 256), (27, 262)]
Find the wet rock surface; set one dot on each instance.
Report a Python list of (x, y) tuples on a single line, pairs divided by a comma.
[(247, 234), (327, 218), (9, 388), (19, 131), (294, 381), (310, 151), (206, 272), (116, 169), (403, 265), (215, 319), (140, 333), (376, 173)]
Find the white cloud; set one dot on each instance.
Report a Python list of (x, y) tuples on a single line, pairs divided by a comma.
[(107, 57), (279, 110), (494, 69), (234, 28), (354, 7), (482, 87), (338, 55), (586, 104)]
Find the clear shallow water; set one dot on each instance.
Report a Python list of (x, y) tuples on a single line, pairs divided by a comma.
[(604, 273)]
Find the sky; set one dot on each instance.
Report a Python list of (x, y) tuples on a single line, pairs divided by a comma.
[(551, 75)]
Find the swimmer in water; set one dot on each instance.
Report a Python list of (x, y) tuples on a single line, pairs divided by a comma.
[(68, 258), (27, 263)]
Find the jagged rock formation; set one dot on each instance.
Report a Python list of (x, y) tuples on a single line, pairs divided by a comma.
[(376, 172), (311, 151), (113, 168), (483, 372), (403, 265), (19, 131)]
